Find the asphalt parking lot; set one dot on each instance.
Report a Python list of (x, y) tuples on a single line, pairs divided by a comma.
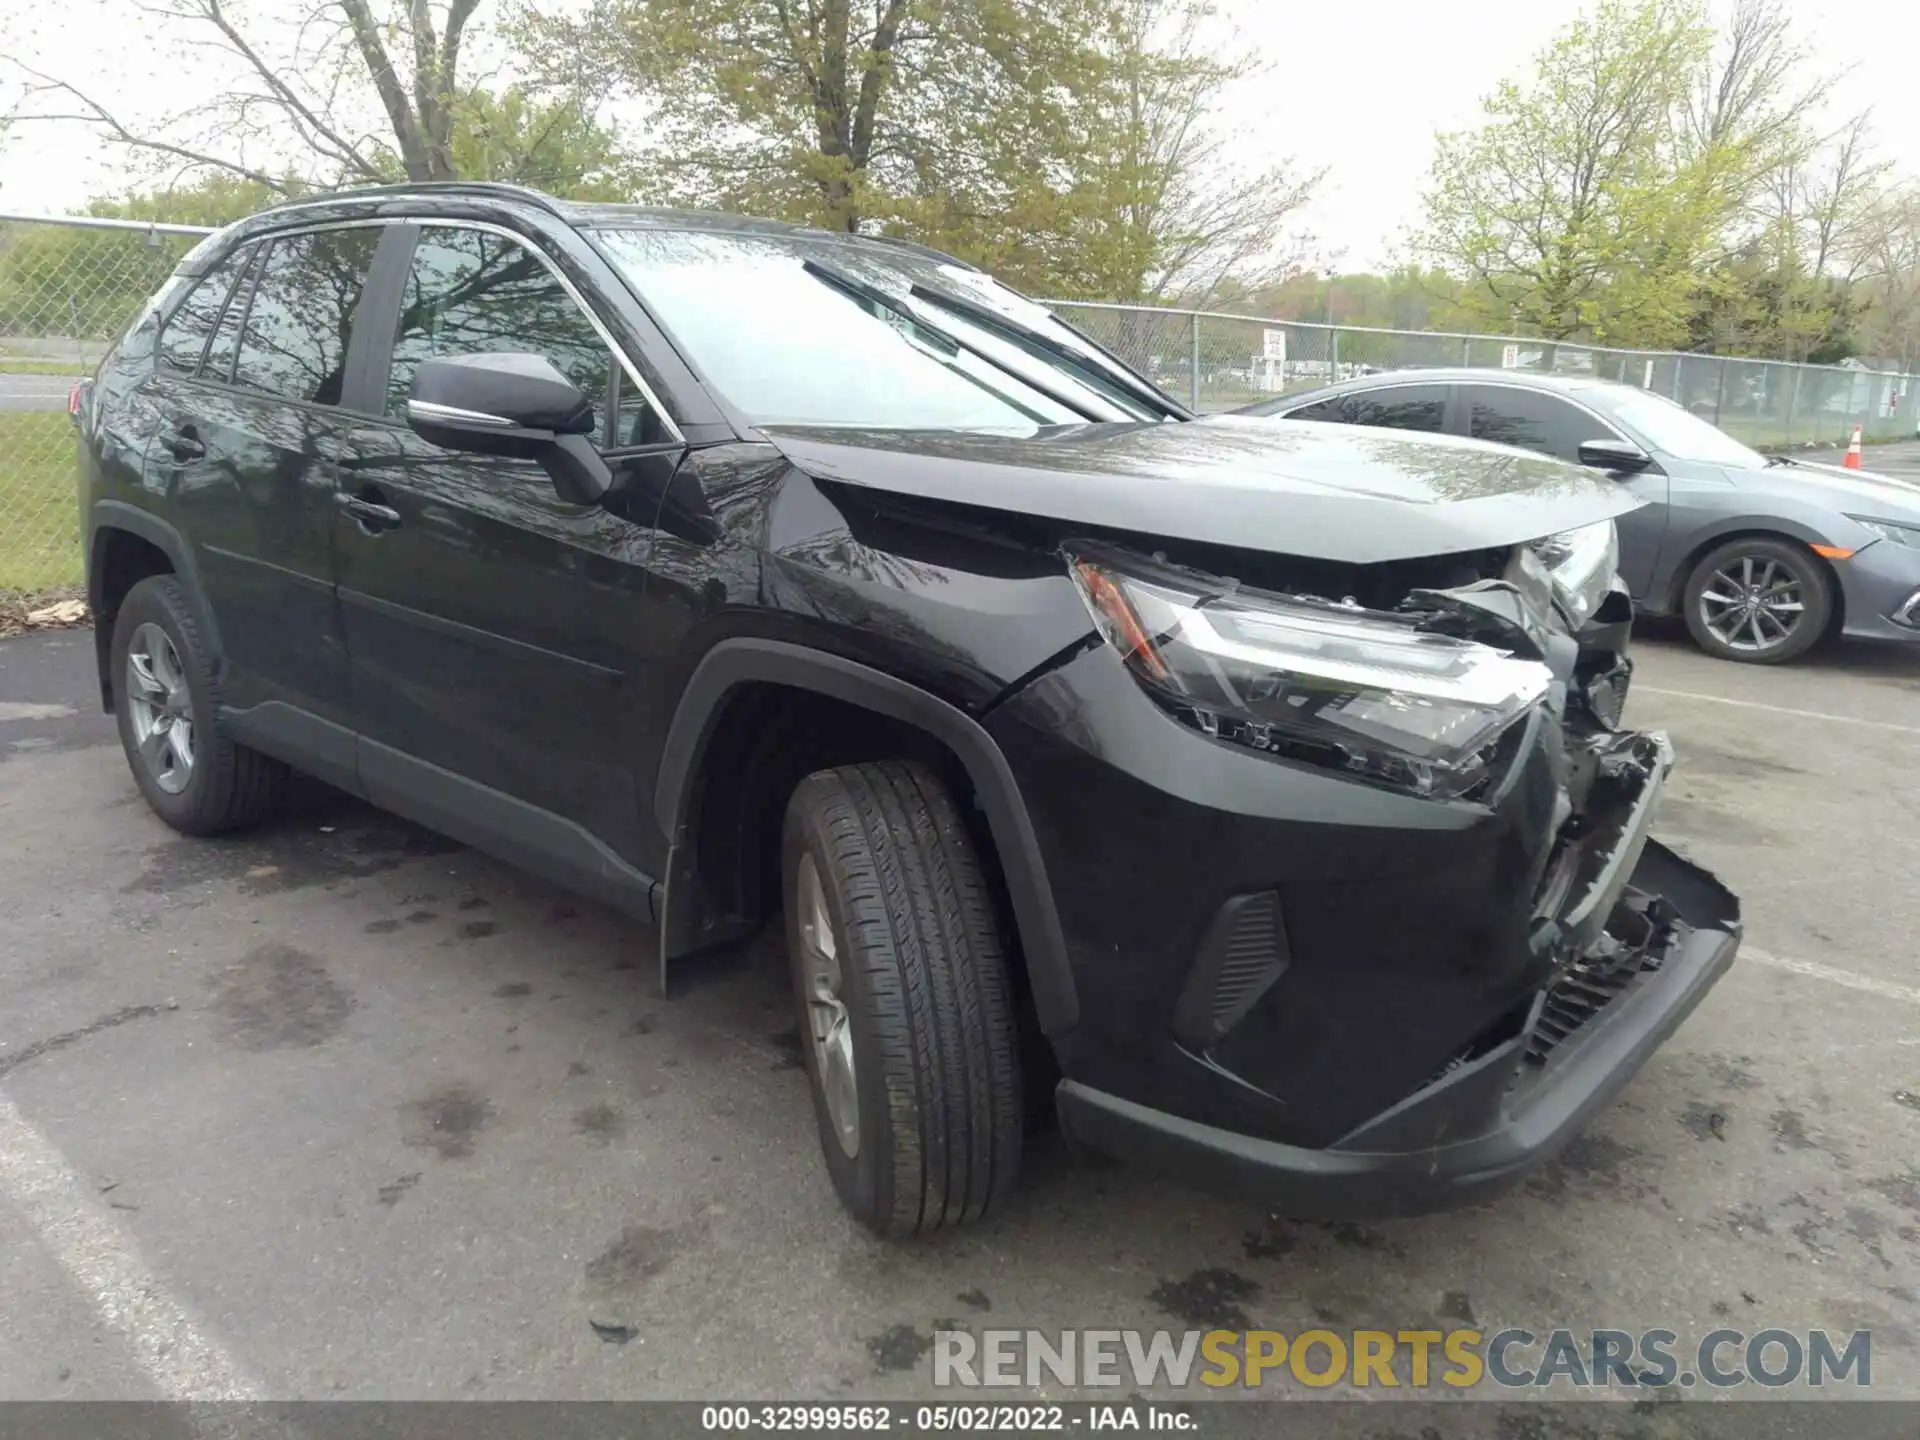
[(339, 1109)]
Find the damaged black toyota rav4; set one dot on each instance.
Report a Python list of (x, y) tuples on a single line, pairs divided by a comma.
[(1259, 789)]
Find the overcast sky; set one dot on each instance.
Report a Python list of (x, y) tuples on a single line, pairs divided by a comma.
[(1358, 87)]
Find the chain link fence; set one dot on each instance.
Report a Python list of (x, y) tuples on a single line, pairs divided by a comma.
[(69, 287), (1219, 361)]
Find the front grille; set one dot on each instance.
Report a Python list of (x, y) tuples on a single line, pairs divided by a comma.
[(1586, 988)]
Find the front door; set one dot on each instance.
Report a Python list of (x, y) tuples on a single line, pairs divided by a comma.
[(1535, 420), (489, 622)]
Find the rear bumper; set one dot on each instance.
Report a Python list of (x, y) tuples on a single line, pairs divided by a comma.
[(1477, 1129)]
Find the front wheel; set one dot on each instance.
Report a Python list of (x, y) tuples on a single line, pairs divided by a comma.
[(1758, 600), (905, 1013)]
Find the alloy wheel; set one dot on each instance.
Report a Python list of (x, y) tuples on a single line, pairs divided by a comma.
[(161, 708), (1752, 604), (829, 1027)]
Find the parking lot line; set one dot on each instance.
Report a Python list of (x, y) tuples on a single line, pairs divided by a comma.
[(1813, 969), (100, 1258), (1780, 709)]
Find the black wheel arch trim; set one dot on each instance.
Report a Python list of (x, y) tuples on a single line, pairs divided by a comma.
[(746, 660), (1701, 543), (119, 515)]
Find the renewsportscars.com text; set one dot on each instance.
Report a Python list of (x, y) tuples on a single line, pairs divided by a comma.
[(1376, 1359)]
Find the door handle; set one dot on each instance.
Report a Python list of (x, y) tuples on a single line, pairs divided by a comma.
[(185, 445), (372, 515)]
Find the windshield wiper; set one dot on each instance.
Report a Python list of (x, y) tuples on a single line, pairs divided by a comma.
[(1125, 381), (874, 295)]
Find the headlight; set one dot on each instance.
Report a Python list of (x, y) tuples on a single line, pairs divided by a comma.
[(1580, 564), (1355, 690), (1887, 530)]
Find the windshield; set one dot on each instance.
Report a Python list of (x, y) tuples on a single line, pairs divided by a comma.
[(797, 331), (1665, 426)]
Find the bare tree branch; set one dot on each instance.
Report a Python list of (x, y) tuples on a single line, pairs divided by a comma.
[(98, 114)]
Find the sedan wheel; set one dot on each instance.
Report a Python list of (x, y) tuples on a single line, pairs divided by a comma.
[(1758, 600), (1752, 604)]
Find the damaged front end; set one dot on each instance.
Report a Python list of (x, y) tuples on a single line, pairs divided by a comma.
[(1578, 941)]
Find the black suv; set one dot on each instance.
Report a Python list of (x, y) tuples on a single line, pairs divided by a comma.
[(1258, 788)]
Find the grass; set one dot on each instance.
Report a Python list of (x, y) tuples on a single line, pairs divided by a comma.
[(44, 365), (39, 523)]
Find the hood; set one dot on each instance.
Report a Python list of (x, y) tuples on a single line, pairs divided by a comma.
[(1855, 492), (1289, 487)]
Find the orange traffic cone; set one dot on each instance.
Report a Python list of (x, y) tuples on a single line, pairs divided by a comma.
[(1852, 462)]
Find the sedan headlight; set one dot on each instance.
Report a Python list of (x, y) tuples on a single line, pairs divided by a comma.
[(1887, 530), (1355, 690), (1579, 564)]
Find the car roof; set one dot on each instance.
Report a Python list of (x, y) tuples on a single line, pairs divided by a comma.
[(480, 196), (1466, 374), (1591, 388)]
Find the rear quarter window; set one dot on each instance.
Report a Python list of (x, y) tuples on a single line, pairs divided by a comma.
[(184, 333)]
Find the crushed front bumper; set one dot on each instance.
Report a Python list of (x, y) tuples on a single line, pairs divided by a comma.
[(1483, 1124)]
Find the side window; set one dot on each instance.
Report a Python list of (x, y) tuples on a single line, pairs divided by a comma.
[(226, 335), (1329, 410), (1400, 407), (473, 292), (1532, 420), (185, 332), (293, 341)]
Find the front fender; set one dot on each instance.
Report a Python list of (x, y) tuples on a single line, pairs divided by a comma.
[(746, 660)]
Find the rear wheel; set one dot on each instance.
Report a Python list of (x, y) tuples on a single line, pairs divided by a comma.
[(165, 697), (1758, 600), (904, 1008)]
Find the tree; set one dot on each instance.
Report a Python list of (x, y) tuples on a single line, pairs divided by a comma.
[(1889, 327), (1790, 289), (1067, 146), (306, 90), (810, 111), (1580, 207), (1179, 215)]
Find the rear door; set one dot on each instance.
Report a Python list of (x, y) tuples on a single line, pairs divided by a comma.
[(250, 461), (1393, 407), (490, 622), (1553, 425)]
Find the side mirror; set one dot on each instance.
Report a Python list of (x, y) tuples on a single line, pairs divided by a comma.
[(518, 407), (1620, 457)]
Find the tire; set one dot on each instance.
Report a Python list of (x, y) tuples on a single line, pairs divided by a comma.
[(927, 1015), (221, 785), (1762, 567)]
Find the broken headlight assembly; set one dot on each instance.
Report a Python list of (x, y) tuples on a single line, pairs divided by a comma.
[(1360, 691), (1577, 565)]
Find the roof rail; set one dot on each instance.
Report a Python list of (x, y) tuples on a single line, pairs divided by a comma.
[(497, 189)]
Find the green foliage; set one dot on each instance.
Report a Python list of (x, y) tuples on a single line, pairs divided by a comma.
[(213, 198), (1580, 208), (1764, 300), (1407, 298), (552, 145), (1064, 146)]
